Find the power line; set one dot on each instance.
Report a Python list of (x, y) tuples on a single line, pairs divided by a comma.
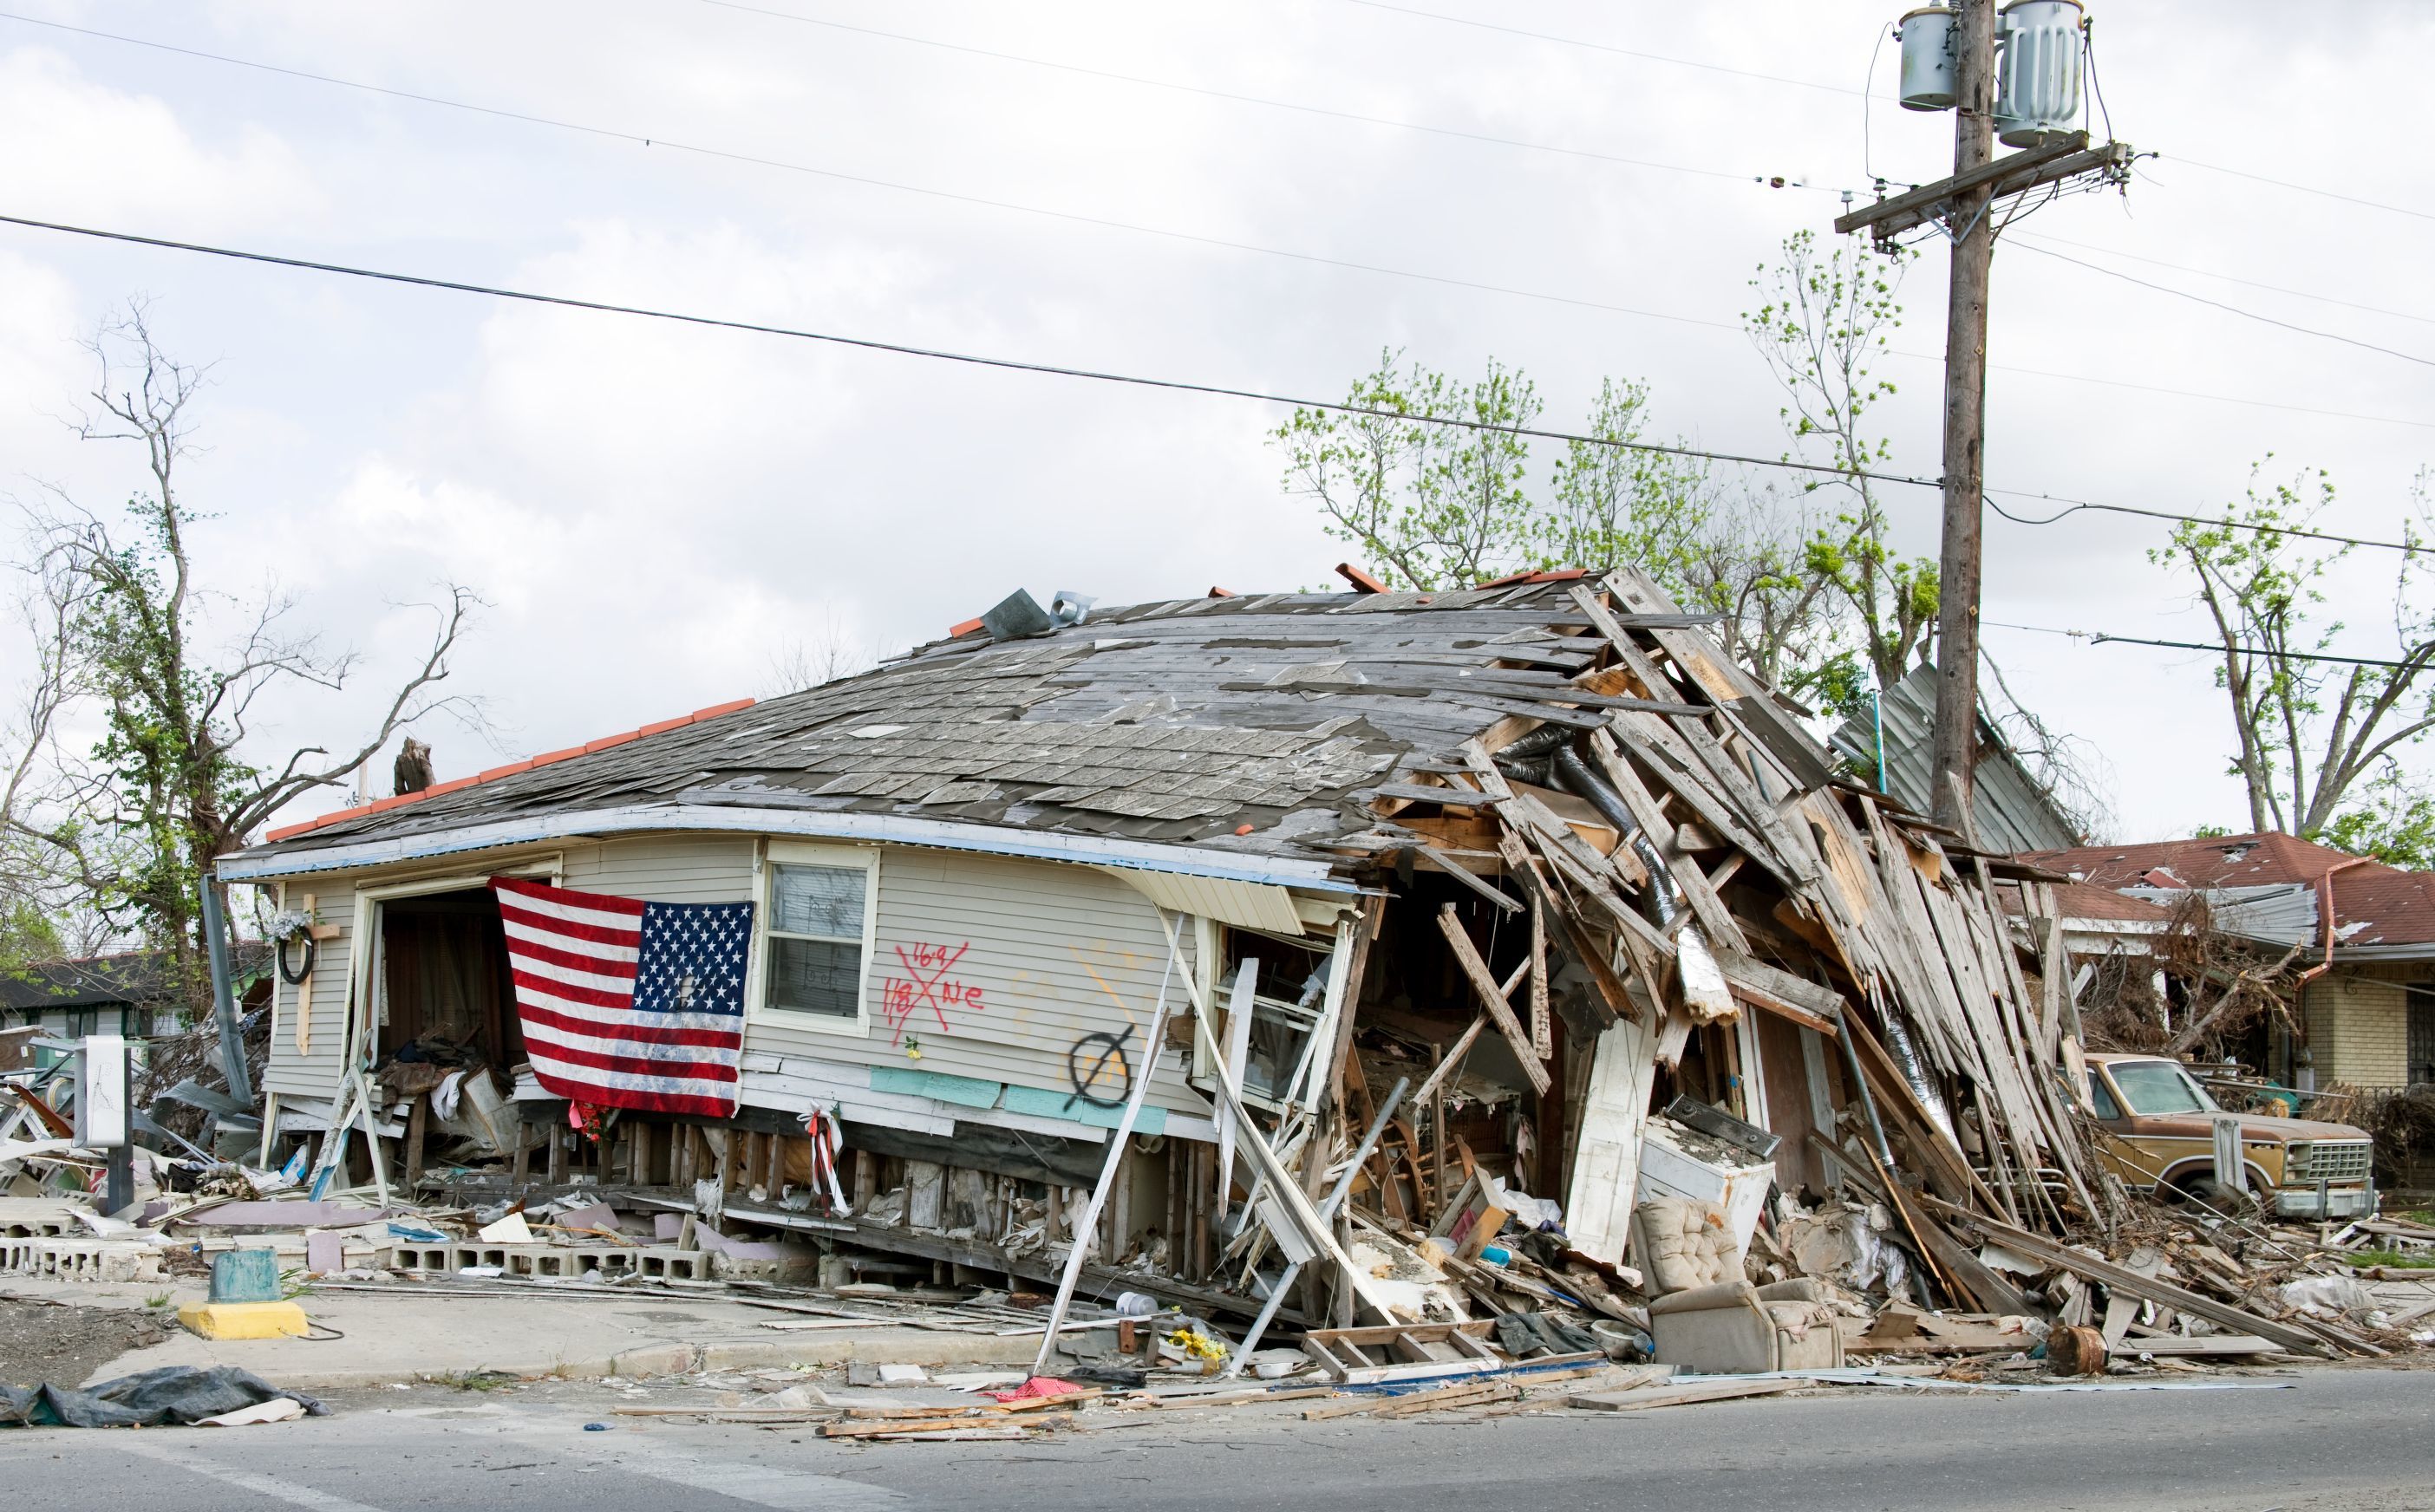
[(1264, 102), (2304, 188), (2101, 638), (2020, 238), (638, 139), (2407, 548), (1105, 223), (1177, 385), (941, 355), (1840, 89), (2233, 309)]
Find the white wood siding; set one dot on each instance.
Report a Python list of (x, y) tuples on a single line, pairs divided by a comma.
[(1054, 952), (289, 1072), (1050, 954)]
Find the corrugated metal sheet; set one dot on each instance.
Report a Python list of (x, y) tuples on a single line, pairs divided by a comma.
[(1254, 904), (2010, 808)]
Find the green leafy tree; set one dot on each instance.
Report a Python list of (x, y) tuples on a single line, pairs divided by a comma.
[(1432, 506), (134, 635), (1821, 323), (2307, 734), (2393, 820)]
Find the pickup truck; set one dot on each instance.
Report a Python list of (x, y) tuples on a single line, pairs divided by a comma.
[(2159, 1136)]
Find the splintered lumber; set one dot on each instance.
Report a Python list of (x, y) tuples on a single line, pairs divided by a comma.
[(994, 1424), (1641, 1398), (2173, 1347), (1468, 1394), (1493, 999), (2088, 1267)]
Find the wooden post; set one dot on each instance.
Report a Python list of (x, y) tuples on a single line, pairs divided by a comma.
[(417, 1122), (521, 1170), (1965, 419), (559, 1135)]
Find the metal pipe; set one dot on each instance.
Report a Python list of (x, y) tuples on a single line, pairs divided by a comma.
[(2325, 916), (240, 1081)]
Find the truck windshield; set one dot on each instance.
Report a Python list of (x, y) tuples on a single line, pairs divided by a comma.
[(2156, 1087)]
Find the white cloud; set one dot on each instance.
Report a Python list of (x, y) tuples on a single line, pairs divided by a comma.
[(88, 153)]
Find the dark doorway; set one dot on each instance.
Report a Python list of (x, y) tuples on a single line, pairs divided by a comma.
[(448, 977)]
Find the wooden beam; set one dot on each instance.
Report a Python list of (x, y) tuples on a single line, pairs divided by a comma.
[(1501, 1012), (2021, 172)]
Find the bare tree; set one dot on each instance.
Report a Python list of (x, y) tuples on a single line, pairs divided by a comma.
[(2308, 732), (830, 651), (172, 779)]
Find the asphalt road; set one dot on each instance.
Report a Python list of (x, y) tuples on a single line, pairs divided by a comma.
[(2341, 1439)]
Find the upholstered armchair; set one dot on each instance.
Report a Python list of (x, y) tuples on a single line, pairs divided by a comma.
[(1705, 1317)]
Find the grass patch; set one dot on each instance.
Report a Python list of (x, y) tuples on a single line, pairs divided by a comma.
[(2396, 1259), (476, 1380), (160, 1299)]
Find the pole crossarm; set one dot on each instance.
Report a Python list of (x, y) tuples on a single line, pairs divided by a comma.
[(2034, 168)]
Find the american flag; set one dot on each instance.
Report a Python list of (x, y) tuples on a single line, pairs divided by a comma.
[(627, 1004)]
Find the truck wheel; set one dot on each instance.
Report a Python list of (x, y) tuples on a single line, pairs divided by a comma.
[(2207, 1189)]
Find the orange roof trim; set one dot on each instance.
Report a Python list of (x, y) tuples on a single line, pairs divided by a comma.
[(384, 804)]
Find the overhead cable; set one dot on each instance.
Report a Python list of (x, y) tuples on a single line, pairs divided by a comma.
[(1105, 223), (1053, 370), (2233, 309), (616, 134), (1839, 89), (972, 359), (2101, 638), (2024, 238), (2407, 548)]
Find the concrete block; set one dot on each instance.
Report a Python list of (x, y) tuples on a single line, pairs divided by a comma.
[(245, 1276), (244, 1320), (653, 1360)]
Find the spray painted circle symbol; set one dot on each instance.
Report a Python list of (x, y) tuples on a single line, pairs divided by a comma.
[(1098, 1059)]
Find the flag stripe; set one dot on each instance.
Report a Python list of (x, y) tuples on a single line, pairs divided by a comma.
[(586, 955), (627, 1004), (572, 929), (582, 1031)]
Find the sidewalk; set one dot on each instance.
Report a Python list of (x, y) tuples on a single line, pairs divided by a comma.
[(406, 1333)]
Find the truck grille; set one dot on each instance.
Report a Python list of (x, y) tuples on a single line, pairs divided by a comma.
[(2328, 1161)]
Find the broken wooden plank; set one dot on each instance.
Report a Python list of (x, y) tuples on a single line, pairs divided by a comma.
[(2039, 1247), (1640, 1398), (1467, 955)]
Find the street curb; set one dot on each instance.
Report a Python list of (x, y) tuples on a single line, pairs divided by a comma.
[(892, 1347)]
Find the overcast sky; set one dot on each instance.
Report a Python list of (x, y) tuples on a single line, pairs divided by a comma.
[(657, 513)]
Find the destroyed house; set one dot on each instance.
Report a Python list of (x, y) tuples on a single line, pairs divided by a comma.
[(1521, 900)]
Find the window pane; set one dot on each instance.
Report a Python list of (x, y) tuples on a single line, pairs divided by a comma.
[(2102, 1099), (2155, 1086), (817, 900), (815, 976)]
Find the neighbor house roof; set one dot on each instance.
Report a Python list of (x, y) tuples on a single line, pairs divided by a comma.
[(126, 979), (2009, 809), (2266, 885), (1250, 726)]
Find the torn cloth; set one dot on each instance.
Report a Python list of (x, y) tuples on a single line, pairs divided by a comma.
[(182, 1394), (1036, 1386)]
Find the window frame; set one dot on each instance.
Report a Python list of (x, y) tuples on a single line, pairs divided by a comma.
[(776, 853)]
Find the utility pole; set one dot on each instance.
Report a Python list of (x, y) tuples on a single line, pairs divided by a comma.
[(1972, 232), (1950, 62)]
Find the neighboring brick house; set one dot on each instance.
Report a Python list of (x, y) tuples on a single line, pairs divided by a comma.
[(2370, 1016)]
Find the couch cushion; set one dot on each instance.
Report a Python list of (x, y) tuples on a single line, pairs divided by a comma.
[(1686, 1243)]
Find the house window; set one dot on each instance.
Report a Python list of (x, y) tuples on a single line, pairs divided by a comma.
[(819, 932), (2422, 1035)]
